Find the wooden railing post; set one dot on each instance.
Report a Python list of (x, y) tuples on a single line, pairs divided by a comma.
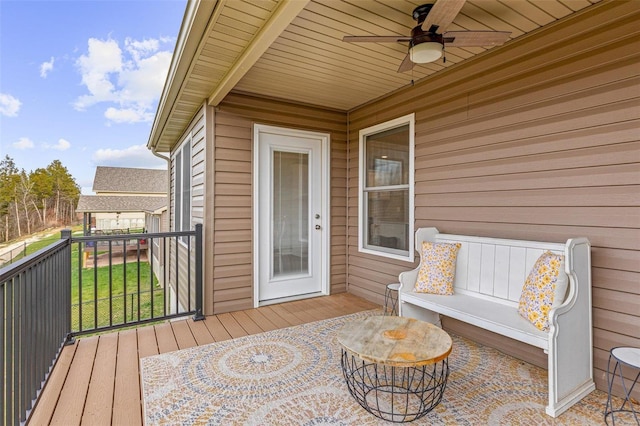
[(198, 254)]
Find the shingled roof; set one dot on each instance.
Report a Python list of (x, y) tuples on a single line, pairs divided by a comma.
[(119, 204), (123, 179)]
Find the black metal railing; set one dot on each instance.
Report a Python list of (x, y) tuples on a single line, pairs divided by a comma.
[(35, 301), (124, 279), (87, 284)]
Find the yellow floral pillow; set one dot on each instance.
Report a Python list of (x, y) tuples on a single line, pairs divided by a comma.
[(544, 289), (438, 268)]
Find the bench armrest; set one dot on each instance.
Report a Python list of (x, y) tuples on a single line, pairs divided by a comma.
[(408, 278)]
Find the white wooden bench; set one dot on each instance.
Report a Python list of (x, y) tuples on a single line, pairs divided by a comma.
[(490, 273)]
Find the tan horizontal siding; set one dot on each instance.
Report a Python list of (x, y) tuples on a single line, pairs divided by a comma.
[(537, 140), (233, 214)]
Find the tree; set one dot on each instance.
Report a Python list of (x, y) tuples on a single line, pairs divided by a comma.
[(42, 191), (47, 192), (8, 182), (65, 189)]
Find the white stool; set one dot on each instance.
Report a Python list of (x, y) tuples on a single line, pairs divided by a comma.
[(631, 358), (391, 299)]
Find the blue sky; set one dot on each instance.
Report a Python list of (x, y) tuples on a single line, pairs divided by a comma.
[(80, 81)]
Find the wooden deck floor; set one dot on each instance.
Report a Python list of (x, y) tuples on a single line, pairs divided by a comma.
[(97, 380)]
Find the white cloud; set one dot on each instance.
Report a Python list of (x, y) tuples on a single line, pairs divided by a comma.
[(104, 58), (23, 143), (9, 105), (133, 156), (127, 115), (46, 67), (130, 79), (62, 145)]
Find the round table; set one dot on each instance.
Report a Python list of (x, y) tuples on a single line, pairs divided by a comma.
[(629, 357), (395, 367)]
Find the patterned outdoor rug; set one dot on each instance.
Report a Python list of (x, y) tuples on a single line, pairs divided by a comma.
[(293, 377)]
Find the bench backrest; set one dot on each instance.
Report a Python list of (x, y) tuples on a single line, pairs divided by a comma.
[(492, 267)]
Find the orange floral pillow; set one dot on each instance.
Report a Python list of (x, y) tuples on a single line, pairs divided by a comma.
[(544, 289), (438, 268)]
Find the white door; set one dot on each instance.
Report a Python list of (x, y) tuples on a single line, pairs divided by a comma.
[(290, 214)]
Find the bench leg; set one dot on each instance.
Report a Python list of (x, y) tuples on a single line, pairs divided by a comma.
[(411, 311)]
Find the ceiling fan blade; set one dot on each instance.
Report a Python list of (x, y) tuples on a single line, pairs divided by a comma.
[(406, 64), (375, 39), (475, 38), (442, 14)]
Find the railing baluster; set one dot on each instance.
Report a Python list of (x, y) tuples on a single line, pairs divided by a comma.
[(95, 284), (165, 270), (8, 352), (80, 255), (110, 286), (198, 309), (151, 273), (188, 274), (177, 311), (17, 326), (3, 348), (138, 270), (124, 284)]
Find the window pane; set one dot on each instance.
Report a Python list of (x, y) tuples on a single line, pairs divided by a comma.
[(177, 190), (186, 187), (290, 213), (388, 219), (387, 157)]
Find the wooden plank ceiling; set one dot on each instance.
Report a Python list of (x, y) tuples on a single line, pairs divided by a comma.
[(308, 62)]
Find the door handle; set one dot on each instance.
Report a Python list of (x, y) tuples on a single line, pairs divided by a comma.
[(317, 226)]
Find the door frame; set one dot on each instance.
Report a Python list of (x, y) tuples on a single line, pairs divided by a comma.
[(325, 221)]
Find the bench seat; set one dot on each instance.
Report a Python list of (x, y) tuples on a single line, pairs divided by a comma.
[(487, 314), (488, 281)]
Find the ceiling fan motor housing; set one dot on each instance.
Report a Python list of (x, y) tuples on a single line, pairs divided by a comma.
[(420, 13)]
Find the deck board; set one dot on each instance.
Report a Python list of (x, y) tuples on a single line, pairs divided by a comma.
[(272, 316), (200, 332), (259, 318), (216, 329), (126, 400), (97, 380), (183, 335), (232, 326), (147, 343), (49, 399), (98, 408), (166, 339), (68, 412), (247, 323)]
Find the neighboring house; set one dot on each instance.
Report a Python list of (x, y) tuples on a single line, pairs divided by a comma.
[(310, 161), (123, 197)]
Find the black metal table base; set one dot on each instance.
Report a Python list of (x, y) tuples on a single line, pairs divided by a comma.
[(628, 404), (395, 394)]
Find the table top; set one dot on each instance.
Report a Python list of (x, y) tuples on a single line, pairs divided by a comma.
[(628, 355), (396, 341)]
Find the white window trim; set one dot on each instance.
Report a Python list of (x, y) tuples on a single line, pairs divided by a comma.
[(362, 219), (187, 172)]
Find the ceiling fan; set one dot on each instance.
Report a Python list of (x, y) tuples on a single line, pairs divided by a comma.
[(428, 38)]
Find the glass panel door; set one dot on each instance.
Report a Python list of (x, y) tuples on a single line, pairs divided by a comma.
[(290, 214)]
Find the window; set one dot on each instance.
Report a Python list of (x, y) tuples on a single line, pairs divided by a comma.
[(386, 189), (182, 189)]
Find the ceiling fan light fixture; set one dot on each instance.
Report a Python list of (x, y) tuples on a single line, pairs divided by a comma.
[(425, 52)]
